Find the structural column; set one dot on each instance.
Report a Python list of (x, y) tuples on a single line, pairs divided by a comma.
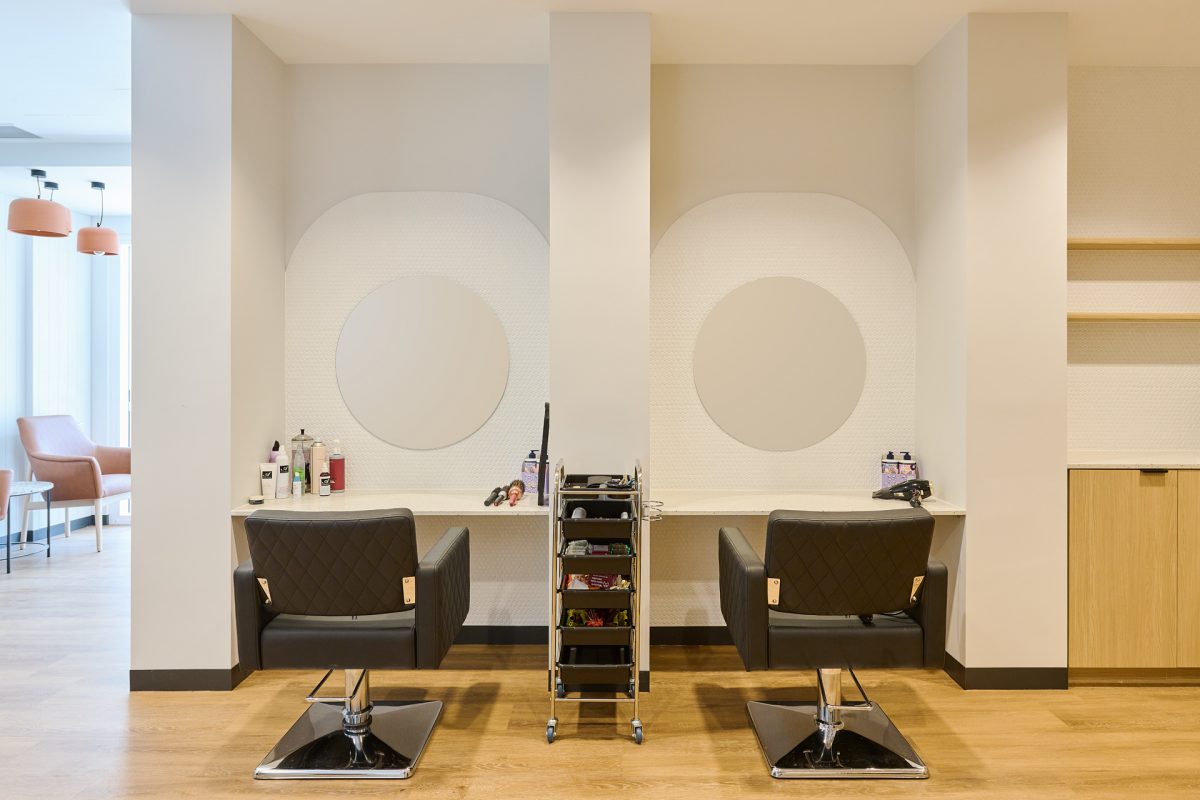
[(207, 285), (991, 276)]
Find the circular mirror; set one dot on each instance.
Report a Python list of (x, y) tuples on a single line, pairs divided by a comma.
[(779, 364), (422, 362)]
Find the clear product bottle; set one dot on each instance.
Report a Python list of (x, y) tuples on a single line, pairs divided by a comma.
[(301, 457)]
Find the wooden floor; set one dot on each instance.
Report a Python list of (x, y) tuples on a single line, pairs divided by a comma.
[(69, 728)]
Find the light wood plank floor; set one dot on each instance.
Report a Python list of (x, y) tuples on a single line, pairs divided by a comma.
[(70, 729)]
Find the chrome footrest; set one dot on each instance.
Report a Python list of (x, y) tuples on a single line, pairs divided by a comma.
[(319, 746), (866, 745)]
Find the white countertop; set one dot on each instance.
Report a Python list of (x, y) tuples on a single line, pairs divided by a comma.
[(1133, 459), (751, 504), (460, 504), (426, 504)]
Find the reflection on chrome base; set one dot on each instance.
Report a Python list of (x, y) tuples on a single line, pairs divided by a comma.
[(322, 745), (858, 744)]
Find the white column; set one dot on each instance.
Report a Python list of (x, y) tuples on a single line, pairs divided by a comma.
[(181, 593), (207, 328), (599, 239), (992, 220)]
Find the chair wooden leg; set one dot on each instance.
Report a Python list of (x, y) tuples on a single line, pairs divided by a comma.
[(66, 520), (99, 524)]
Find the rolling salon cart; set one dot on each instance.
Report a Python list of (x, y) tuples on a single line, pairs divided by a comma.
[(595, 540)]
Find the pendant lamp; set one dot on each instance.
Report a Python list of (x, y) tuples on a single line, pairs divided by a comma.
[(38, 217), (98, 241)]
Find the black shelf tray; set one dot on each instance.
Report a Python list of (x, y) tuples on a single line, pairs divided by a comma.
[(603, 520), (615, 635), (597, 565), (595, 665), (597, 598)]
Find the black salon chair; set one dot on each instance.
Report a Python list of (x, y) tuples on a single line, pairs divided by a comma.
[(838, 590), (344, 591)]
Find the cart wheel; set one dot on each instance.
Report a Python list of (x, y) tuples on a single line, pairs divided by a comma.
[(637, 732), (550, 733), (559, 689)]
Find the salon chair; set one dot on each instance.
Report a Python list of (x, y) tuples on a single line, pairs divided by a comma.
[(345, 591), (837, 591)]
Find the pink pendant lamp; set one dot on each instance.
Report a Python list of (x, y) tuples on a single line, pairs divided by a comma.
[(98, 241), (38, 217)]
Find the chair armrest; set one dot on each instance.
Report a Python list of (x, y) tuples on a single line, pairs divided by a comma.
[(443, 596), (743, 583), (250, 616), (113, 460), (930, 613), (74, 477)]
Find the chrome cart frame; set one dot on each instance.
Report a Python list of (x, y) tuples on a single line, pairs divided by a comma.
[(628, 690)]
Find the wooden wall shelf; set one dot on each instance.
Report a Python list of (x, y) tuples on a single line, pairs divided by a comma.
[(1130, 316), (1185, 243)]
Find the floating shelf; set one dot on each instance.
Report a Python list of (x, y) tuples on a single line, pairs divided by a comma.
[(1186, 243), (1130, 316)]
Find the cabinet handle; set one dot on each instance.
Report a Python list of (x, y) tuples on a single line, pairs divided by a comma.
[(1154, 470)]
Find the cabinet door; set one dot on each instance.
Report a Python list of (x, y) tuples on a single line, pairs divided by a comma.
[(1189, 568), (1122, 563)]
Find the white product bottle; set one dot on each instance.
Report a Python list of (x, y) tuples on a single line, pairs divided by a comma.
[(268, 472), (283, 483)]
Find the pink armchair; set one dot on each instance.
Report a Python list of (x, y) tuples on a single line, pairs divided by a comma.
[(83, 472)]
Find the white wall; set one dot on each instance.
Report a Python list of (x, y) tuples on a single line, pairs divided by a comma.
[(371, 240), (390, 128), (257, 259), (15, 313), (941, 245), (599, 239), (720, 129), (182, 387), (829, 241), (992, 271), (51, 334), (1134, 170)]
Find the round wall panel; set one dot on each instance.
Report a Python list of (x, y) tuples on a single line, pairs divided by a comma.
[(422, 362), (779, 364)]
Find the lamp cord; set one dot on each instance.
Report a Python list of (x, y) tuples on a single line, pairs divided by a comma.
[(38, 178), (101, 222)]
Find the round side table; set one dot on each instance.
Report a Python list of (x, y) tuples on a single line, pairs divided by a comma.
[(24, 489)]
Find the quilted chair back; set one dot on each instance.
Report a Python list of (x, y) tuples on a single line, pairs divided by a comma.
[(847, 564), (334, 564)]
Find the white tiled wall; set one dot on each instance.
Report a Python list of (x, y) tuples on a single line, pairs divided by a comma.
[(372, 239), (827, 240), (1134, 171)]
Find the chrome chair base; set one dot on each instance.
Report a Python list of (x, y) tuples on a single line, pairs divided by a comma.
[(318, 746), (866, 745)]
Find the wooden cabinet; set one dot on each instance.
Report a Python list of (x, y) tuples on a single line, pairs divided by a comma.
[(1188, 613), (1123, 563)]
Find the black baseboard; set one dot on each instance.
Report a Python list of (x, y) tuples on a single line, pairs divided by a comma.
[(39, 534), (1006, 677), (185, 680), (690, 635), (644, 681), (502, 634)]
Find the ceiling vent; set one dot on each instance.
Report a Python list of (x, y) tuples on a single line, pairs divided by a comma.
[(13, 132)]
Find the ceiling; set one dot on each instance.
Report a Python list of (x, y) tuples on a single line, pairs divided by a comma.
[(66, 69), (1119, 32), (75, 187), (67, 62)]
